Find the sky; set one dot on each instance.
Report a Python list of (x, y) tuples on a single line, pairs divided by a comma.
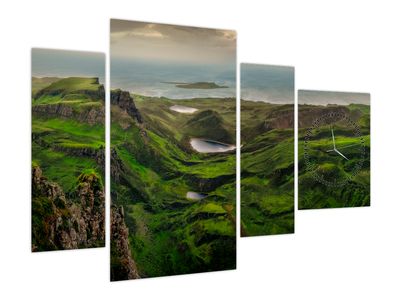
[(327, 97), (143, 41), (267, 83), (66, 63)]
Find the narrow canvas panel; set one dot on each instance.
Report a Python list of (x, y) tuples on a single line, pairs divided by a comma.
[(68, 143), (173, 150), (267, 150), (334, 149)]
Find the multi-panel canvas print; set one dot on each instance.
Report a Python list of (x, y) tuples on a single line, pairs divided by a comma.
[(334, 149), (173, 149), (68, 143), (267, 150)]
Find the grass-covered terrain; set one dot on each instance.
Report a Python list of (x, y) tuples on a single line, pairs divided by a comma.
[(345, 181), (267, 168), (153, 166), (66, 140)]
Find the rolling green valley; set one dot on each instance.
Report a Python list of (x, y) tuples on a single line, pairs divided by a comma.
[(178, 203), (173, 150), (267, 168)]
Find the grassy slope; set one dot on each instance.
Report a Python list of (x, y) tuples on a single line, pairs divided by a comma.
[(357, 192), (39, 83), (267, 166), (54, 138), (170, 234), (72, 84)]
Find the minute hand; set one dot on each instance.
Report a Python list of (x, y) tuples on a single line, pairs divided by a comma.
[(338, 152), (333, 139)]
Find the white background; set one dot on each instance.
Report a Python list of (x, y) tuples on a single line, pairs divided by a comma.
[(335, 254)]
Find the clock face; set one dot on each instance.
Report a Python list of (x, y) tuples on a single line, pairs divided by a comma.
[(334, 149)]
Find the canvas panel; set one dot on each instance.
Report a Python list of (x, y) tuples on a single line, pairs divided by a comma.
[(68, 143), (334, 149), (173, 149)]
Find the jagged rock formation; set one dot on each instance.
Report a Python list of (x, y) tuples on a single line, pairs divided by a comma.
[(60, 223), (124, 100), (92, 115), (123, 266)]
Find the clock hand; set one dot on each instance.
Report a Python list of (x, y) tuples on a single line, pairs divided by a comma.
[(333, 139), (348, 146), (338, 152)]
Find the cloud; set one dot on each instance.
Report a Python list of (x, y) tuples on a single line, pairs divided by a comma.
[(130, 39)]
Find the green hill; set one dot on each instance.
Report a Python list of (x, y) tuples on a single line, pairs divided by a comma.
[(152, 169), (39, 83), (208, 124), (74, 87)]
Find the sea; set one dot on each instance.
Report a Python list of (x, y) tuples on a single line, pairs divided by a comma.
[(267, 83), (65, 63), (157, 79)]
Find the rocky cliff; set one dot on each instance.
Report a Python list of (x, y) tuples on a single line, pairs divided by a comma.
[(123, 266), (124, 100), (91, 115), (60, 223)]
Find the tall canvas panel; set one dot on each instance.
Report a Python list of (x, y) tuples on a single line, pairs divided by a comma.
[(68, 143), (334, 149), (173, 149), (267, 149)]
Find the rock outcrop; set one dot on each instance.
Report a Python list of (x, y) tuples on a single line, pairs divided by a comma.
[(123, 266), (91, 115), (124, 100), (60, 223)]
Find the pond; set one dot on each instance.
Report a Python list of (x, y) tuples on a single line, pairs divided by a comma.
[(195, 196), (183, 109), (210, 146)]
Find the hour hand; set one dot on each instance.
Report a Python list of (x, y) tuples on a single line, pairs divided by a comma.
[(338, 152)]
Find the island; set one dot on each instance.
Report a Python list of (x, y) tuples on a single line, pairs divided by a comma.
[(197, 85)]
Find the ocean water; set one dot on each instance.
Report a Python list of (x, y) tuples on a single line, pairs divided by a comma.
[(64, 63), (267, 83), (149, 79)]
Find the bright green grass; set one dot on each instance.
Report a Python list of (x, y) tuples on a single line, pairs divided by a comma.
[(170, 234), (356, 192), (71, 84)]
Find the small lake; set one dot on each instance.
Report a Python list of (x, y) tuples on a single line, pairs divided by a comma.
[(183, 109), (210, 146), (195, 196)]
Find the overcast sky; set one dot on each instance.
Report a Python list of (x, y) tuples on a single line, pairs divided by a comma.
[(327, 97), (171, 43)]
